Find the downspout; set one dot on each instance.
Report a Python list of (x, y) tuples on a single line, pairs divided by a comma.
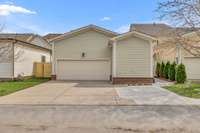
[(13, 60)]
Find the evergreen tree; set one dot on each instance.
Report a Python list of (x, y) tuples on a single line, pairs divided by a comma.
[(158, 69), (172, 71), (162, 70), (166, 70), (181, 73)]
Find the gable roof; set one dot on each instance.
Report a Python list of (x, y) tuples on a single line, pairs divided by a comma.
[(84, 29), (133, 33), (51, 36), (23, 37), (14, 40), (157, 30)]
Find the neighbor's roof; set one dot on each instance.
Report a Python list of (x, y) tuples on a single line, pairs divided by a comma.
[(157, 30), (133, 33), (22, 37), (51, 36), (86, 28), (27, 37), (160, 30), (24, 43)]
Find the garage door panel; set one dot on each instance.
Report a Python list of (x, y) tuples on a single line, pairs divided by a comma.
[(83, 70), (192, 68)]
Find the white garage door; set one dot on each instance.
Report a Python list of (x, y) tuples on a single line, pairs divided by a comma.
[(193, 68), (83, 70)]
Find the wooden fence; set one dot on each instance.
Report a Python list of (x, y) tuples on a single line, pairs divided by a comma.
[(42, 70)]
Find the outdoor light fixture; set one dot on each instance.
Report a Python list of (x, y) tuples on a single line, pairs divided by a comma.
[(83, 54)]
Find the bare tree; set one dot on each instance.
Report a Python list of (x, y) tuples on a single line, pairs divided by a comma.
[(184, 14), (6, 49)]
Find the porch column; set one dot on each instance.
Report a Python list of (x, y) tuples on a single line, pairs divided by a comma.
[(114, 59), (53, 62)]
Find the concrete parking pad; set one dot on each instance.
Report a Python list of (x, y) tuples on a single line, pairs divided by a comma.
[(70, 93), (154, 95)]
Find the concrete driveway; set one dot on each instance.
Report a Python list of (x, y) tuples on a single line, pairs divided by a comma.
[(95, 93), (69, 93)]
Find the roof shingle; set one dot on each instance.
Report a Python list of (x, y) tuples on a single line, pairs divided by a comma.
[(51, 36), (22, 37), (157, 30)]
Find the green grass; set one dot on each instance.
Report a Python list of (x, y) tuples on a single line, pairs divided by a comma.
[(188, 90), (13, 86)]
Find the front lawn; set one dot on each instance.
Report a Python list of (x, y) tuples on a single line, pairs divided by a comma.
[(13, 86), (188, 90)]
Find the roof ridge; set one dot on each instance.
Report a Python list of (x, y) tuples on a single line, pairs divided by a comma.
[(84, 28), (150, 24)]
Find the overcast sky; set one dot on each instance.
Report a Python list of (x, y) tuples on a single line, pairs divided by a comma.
[(46, 16)]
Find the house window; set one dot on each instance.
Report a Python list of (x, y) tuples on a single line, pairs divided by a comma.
[(43, 58)]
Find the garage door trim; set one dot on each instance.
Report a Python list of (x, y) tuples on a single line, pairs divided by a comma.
[(85, 60), (70, 59)]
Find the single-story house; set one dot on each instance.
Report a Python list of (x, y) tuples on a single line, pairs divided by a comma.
[(173, 51), (18, 52), (95, 53)]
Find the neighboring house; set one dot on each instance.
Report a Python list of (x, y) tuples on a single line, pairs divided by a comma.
[(163, 52), (95, 53), (51, 36), (167, 51), (18, 52)]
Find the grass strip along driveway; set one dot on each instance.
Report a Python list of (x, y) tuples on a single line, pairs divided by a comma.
[(13, 86), (188, 90)]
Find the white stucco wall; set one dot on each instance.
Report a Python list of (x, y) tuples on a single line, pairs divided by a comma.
[(5, 70), (6, 65), (25, 57)]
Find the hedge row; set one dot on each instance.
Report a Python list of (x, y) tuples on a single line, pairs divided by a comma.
[(172, 71)]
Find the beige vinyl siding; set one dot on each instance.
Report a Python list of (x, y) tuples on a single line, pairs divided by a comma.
[(133, 58), (6, 65), (93, 44), (25, 57)]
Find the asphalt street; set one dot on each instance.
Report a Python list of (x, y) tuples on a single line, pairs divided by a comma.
[(99, 119)]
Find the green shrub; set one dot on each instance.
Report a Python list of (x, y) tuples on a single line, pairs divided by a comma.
[(162, 70), (180, 73), (172, 71), (166, 70), (158, 69)]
